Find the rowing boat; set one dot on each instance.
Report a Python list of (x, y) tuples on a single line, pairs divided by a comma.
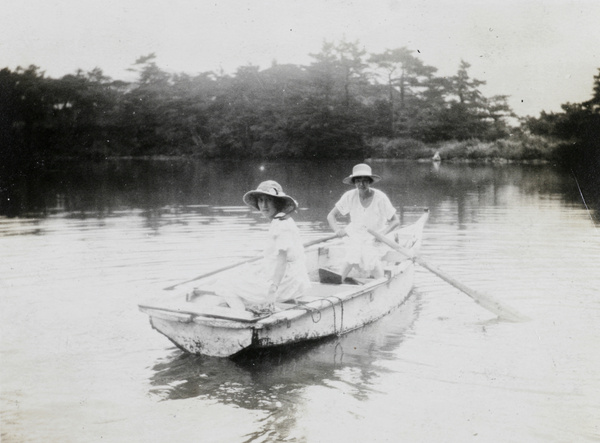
[(198, 323)]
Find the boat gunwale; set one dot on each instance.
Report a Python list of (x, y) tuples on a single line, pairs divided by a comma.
[(290, 313), (334, 300), (206, 318)]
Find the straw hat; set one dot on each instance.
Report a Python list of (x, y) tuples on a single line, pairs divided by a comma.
[(273, 189), (361, 170)]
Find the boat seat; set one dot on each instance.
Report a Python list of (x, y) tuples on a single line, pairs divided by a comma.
[(328, 276)]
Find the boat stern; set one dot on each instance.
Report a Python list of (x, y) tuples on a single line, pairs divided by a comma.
[(200, 335)]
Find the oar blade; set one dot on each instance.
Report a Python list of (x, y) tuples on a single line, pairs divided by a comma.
[(485, 301), (500, 309)]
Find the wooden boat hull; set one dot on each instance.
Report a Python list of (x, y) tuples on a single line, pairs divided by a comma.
[(337, 314), (215, 339), (327, 310)]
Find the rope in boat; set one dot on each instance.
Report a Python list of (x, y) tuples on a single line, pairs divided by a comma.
[(334, 320), (342, 313), (312, 310)]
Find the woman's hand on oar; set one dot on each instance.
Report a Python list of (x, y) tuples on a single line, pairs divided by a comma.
[(250, 260), (485, 301)]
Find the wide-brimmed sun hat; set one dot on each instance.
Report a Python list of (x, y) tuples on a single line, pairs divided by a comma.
[(361, 170), (273, 189)]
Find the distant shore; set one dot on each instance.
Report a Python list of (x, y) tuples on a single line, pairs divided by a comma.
[(520, 149)]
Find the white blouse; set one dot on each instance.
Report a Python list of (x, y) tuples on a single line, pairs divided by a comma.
[(375, 216)]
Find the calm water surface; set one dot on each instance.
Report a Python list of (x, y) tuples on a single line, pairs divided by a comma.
[(81, 245)]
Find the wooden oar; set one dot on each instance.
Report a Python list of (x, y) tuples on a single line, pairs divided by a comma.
[(485, 301), (250, 260)]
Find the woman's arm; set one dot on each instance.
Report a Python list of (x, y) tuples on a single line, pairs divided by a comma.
[(332, 220), (394, 222)]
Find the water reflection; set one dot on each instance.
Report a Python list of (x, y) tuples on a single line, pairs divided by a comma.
[(275, 381), (156, 187), (281, 371)]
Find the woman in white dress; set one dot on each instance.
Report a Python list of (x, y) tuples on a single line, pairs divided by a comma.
[(281, 275), (368, 208)]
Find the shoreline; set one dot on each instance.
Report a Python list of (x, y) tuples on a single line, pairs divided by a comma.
[(489, 160)]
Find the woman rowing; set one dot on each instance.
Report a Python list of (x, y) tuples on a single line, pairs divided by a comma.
[(368, 208)]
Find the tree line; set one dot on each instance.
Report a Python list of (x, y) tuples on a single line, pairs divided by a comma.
[(334, 106), (578, 126)]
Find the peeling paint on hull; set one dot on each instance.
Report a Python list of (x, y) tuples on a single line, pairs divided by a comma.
[(202, 339)]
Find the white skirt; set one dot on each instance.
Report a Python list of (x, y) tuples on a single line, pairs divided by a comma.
[(251, 283), (363, 250)]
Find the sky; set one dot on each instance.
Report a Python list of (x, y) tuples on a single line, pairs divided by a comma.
[(541, 53)]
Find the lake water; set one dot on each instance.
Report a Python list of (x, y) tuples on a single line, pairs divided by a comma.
[(84, 244)]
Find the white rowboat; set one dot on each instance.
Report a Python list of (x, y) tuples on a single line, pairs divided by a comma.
[(200, 326)]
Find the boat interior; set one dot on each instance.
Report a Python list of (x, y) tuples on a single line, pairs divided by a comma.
[(323, 263)]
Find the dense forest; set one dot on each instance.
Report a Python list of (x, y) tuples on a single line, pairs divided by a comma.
[(332, 107), (346, 102)]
